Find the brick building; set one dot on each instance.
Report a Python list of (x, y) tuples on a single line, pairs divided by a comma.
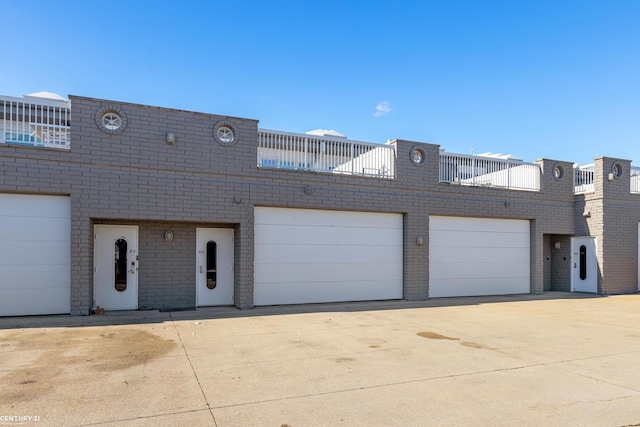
[(127, 206)]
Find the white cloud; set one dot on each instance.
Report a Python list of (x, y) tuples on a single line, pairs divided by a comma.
[(382, 108)]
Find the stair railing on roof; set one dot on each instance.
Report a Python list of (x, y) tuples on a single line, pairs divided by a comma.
[(482, 171), (302, 152), (35, 122)]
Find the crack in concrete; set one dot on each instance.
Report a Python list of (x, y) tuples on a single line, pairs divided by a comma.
[(602, 381), (467, 374), (213, 418), (142, 418)]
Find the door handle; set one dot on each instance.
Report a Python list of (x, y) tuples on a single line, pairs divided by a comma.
[(201, 269), (133, 267)]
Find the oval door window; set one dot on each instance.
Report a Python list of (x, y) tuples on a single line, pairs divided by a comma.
[(121, 265), (583, 262), (212, 248)]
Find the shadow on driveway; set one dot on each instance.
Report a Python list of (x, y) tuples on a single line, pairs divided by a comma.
[(135, 317)]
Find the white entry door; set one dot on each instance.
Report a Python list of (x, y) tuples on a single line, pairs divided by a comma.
[(584, 277), (214, 263), (116, 267)]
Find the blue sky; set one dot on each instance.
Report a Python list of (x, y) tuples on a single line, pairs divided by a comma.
[(555, 79)]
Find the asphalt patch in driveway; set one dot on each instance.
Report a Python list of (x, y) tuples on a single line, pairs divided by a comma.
[(83, 351)]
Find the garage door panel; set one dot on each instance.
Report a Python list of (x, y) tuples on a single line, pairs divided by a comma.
[(34, 253), (330, 272), (478, 256), (461, 254), (442, 238), (265, 254), (35, 259), (492, 270), (34, 228), (492, 225), (38, 206), (304, 256), (466, 287), (294, 293), (334, 235), (39, 277), (318, 217), (24, 302)]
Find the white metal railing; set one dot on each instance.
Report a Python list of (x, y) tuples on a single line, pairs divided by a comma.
[(297, 151), (583, 179), (489, 172), (635, 179), (35, 122)]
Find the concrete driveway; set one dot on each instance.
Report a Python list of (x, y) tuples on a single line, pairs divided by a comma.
[(556, 359)]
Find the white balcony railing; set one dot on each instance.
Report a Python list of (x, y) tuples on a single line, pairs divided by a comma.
[(489, 172), (583, 179), (296, 151), (635, 179), (34, 122)]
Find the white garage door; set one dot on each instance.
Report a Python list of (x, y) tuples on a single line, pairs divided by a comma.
[(307, 256), (478, 256), (35, 258)]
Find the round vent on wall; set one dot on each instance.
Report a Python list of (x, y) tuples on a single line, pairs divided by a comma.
[(558, 172), (418, 156), (111, 119), (224, 132)]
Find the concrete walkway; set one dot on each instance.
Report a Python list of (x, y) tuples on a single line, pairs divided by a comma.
[(556, 359)]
